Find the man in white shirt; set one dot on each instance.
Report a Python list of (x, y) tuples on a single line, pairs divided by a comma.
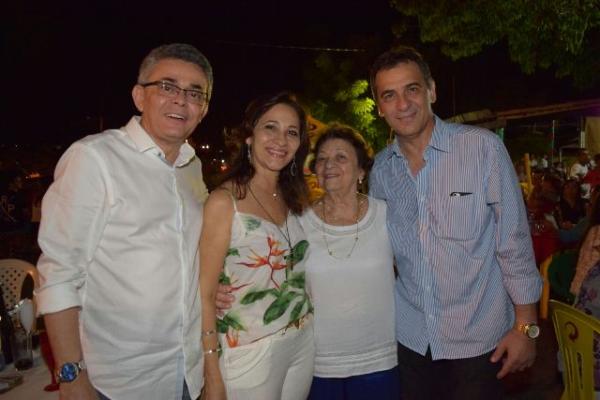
[(581, 167), (119, 234)]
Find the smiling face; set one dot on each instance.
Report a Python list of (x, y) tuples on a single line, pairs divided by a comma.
[(169, 121), (275, 139), (404, 99), (337, 168)]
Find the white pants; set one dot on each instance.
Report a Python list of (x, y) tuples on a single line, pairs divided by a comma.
[(278, 367)]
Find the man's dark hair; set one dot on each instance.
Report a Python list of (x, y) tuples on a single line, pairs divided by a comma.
[(177, 51), (397, 55)]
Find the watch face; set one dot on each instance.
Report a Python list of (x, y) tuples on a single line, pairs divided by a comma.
[(533, 331), (69, 372)]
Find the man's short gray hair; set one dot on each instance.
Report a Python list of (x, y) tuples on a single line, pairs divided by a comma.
[(177, 51)]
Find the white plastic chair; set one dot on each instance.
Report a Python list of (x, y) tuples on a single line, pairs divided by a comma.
[(12, 276)]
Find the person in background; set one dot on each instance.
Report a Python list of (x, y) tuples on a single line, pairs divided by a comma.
[(593, 176), (533, 162), (581, 167), (571, 206), (544, 162), (467, 282), (585, 285), (252, 239), (119, 235)]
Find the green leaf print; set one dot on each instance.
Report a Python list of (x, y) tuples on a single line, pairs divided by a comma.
[(222, 326), (255, 295), (297, 280), (233, 252), (224, 279), (295, 314), (250, 223), (278, 307), (297, 253), (232, 320)]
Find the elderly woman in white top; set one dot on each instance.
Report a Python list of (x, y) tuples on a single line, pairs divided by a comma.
[(349, 276)]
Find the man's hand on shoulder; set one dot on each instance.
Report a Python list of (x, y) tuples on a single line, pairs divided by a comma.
[(79, 389), (516, 351)]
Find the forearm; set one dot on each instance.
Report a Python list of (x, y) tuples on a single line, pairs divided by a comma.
[(210, 342), (63, 332)]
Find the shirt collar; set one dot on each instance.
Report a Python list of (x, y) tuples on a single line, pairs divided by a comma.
[(440, 138), (144, 143)]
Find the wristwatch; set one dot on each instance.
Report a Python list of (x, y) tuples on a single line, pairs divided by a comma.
[(69, 371), (531, 330)]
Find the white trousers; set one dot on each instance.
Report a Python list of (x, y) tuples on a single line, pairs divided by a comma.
[(277, 367)]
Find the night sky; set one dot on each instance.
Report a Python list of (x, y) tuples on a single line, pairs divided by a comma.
[(66, 64)]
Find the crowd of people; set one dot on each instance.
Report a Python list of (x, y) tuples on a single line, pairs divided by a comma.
[(153, 288), (560, 204), (565, 219)]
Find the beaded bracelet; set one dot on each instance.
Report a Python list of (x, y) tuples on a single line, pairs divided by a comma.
[(209, 332), (210, 351)]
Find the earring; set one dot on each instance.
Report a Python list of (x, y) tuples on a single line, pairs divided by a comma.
[(360, 179), (293, 167), (249, 155)]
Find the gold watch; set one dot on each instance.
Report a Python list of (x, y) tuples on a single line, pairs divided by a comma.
[(530, 329)]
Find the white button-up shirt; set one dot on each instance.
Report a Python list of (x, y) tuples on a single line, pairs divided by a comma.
[(119, 236)]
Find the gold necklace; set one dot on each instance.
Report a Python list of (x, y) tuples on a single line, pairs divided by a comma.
[(324, 221), (288, 237)]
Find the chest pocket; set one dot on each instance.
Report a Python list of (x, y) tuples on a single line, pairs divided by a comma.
[(458, 217)]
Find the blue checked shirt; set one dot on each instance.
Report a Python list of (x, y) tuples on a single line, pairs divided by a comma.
[(461, 240)]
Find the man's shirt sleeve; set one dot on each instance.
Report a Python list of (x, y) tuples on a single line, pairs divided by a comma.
[(375, 179), (514, 250), (74, 213)]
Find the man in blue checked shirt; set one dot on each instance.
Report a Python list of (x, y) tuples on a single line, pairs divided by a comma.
[(468, 284)]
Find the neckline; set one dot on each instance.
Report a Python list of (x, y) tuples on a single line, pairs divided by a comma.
[(262, 219), (351, 228)]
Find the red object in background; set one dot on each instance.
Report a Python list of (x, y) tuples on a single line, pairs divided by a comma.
[(49, 359), (544, 245)]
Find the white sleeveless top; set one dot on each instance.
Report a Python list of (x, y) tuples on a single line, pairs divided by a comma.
[(353, 297), (269, 290)]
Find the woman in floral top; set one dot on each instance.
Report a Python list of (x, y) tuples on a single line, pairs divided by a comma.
[(262, 348)]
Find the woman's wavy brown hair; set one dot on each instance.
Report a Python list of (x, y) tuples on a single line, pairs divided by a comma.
[(291, 183)]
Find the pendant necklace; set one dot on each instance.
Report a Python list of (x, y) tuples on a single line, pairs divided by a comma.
[(324, 221), (288, 237)]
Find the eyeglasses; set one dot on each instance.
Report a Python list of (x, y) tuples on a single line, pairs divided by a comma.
[(171, 90)]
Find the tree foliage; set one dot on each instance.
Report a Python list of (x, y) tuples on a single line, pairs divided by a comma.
[(562, 34), (334, 92)]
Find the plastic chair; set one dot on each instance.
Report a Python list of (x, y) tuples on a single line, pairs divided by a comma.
[(544, 266), (12, 276), (575, 334), (557, 273)]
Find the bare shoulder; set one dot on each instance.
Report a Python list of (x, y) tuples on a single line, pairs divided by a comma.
[(219, 203)]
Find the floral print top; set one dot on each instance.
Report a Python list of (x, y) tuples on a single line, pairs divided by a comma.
[(267, 279)]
